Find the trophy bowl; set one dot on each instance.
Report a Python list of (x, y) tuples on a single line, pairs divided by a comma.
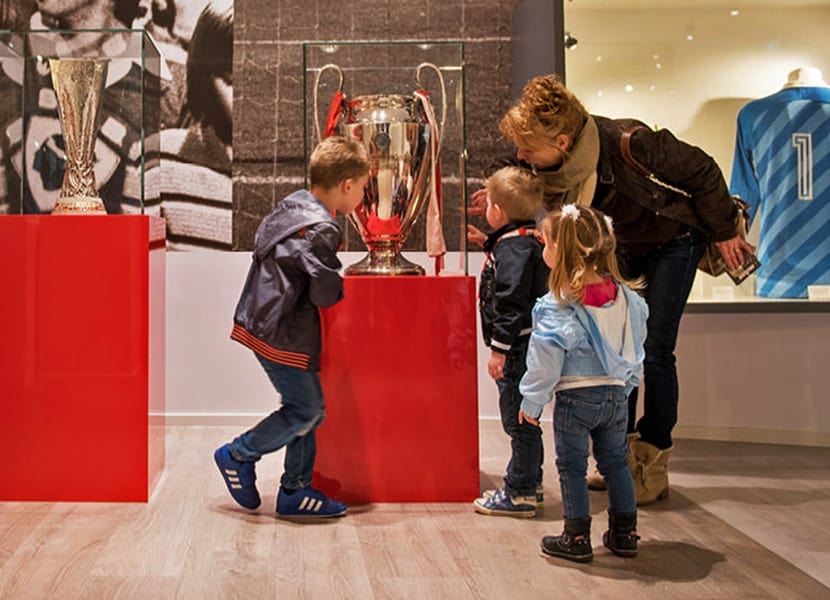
[(398, 140)]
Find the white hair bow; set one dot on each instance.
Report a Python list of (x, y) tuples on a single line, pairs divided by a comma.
[(570, 210)]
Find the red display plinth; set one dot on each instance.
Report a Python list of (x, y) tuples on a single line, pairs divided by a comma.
[(399, 377), (82, 357)]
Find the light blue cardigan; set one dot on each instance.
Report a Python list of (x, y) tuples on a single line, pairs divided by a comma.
[(567, 342)]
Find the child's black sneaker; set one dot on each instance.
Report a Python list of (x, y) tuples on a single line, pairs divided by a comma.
[(240, 477), (308, 502)]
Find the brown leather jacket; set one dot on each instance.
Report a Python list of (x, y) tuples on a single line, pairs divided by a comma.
[(686, 167), (646, 214)]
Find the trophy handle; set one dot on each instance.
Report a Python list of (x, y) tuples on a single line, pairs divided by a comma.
[(443, 99), (315, 94)]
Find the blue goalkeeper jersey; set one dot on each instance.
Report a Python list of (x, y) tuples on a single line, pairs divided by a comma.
[(782, 169)]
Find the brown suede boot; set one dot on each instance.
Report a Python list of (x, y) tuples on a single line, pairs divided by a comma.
[(595, 479), (650, 472)]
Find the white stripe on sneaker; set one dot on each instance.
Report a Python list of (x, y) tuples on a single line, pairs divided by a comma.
[(310, 504)]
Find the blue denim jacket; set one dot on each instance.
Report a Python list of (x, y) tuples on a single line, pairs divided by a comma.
[(567, 342)]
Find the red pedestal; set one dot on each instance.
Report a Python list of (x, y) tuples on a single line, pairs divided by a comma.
[(82, 357), (399, 377)]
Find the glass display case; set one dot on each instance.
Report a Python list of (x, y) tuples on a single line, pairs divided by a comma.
[(33, 146), (409, 99), (691, 68)]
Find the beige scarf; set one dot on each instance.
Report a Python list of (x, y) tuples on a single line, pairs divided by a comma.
[(575, 180)]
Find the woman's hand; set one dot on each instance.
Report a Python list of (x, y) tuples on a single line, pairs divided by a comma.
[(478, 203), (734, 251)]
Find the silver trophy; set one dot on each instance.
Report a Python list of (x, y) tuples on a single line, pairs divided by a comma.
[(402, 138), (79, 86)]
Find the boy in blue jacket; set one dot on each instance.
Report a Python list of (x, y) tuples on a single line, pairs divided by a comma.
[(294, 272)]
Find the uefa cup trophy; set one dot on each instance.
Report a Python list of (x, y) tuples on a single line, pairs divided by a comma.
[(402, 138), (79, 85)]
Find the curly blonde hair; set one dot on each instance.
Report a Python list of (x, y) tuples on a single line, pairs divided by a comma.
[(547, 109), (585, 241)]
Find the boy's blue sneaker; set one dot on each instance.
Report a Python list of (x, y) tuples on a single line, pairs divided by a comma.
[(240, 477), (534, 500), (502, 504), (308, 502)]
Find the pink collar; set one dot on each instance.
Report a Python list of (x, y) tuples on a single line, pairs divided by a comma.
[(600, 294)]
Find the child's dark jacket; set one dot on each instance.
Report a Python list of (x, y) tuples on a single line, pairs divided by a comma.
[(513, 277), (294, 271)]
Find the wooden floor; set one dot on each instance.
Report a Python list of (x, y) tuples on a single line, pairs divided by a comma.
[(742, 521)]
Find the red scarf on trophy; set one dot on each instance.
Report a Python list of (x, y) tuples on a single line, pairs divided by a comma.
[(436, 247), (335, 108)]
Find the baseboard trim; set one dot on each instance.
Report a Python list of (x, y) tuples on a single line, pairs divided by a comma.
[(212, 419), (716, 434), (783, 437)]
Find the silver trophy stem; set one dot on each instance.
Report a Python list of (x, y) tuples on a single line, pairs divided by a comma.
[(384, 259)]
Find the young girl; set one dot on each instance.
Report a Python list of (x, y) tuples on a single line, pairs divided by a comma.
[(587, 347)]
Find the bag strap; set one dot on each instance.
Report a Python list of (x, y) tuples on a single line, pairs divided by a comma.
[(625, 149)]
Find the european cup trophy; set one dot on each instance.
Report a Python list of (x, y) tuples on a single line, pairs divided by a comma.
[(79, 85), (402, 138)]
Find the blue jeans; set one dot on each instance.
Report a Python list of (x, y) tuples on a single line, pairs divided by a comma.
[(600, 414), (303, 410), (669, 272), (524, 471)]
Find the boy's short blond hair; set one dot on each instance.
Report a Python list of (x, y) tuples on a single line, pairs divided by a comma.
[(517, 192), (336, 159)]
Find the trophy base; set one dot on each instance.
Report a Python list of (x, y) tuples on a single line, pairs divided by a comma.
[(79, 206), (384, 264)]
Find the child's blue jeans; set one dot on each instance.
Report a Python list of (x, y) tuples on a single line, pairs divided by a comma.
[(524, 471), (600, 414), (292, 426)]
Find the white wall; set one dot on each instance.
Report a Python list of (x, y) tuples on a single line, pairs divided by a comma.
[(207, 372), (752, 377), (755, 376), (693, 87)]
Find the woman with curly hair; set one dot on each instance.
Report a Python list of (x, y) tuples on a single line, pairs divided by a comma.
[(662, 223)]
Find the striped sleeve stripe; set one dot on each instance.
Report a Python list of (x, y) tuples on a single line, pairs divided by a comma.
[(292, 359), (499, 345)]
